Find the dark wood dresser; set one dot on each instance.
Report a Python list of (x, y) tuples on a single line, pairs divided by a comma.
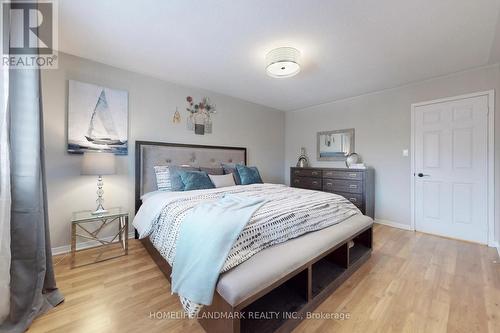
[(356, 185)]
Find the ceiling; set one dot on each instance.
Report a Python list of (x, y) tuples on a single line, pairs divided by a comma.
[(349, 47)]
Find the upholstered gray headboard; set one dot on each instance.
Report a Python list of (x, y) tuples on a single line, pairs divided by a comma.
[(150, 154)]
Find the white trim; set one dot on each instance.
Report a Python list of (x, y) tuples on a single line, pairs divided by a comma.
[(497, 246), (394, 224), (491, 169), (491, 157), (84, 245), (412, 169), (489, 93)]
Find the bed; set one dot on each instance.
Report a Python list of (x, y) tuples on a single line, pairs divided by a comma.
[(275, 288)]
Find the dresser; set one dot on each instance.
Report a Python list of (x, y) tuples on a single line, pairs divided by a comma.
[(356, 185)]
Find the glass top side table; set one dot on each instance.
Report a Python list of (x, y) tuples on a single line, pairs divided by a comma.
[(105, 230)]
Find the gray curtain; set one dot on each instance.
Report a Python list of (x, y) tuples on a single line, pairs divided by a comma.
[(33, 286)]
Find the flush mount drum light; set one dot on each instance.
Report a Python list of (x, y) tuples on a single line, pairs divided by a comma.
[(283, 62)]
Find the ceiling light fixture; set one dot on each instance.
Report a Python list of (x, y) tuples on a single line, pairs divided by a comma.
[(283, 62)]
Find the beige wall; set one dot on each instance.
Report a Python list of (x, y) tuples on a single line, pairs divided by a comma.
[(383, 126), (152, 104)]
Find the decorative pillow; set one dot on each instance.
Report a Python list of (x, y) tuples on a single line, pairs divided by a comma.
[(195, 180), (248, 175), (222, 180), (168, 178), (231, 168), (163, 178), (175, 176), (213, 171)]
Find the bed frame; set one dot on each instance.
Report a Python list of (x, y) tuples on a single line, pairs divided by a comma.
[(292, 296)]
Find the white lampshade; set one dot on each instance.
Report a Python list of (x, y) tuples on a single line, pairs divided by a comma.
[(98, 164), (283, 62)]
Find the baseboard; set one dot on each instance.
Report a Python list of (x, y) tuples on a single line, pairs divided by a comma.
[(493, 244), (393, 224), (84, 245)]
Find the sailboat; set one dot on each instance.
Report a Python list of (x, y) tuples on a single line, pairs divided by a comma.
[(102, 129)]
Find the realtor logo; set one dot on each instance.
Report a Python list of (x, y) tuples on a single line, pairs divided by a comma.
[(29, 34)]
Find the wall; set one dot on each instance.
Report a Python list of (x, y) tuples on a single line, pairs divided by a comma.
[(152, 104), (382, 122)]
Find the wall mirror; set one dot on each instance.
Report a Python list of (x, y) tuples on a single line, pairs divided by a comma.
[(335, 145)]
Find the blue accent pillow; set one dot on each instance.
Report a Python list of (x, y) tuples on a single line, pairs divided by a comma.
[(248, 175), (231, 168), (175, 176), (195, 180)]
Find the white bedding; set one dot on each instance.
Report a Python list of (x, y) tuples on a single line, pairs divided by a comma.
[(288, 213)]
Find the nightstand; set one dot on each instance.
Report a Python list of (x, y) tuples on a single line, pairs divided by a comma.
[(108, 231)]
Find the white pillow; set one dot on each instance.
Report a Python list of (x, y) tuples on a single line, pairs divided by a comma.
[(222, 180)]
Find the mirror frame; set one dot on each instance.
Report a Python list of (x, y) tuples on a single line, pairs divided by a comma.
[(336, 158)]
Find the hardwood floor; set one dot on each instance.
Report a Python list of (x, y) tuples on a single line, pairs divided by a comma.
[(413, 283)]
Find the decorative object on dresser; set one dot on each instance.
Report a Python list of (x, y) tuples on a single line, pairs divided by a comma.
[(303, 161), (351, 159), (98, 164), (356, 186), (335, 145), (84, 220)]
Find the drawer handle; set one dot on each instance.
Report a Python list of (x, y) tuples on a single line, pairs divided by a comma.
[(329, 184), (353, 175), (314, 173), (329, 173), (315, 183), (353, 186), (353, 200), (297, 172), (297, 180)]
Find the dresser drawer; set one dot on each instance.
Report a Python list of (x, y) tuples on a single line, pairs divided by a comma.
[(306, 173), (342, 185), (356, 199), (341, 174), (307, 182)]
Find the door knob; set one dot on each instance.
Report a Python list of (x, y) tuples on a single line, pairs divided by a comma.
[(423, 175)]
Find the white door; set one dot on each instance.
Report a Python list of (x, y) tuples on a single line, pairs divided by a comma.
[(451, 168)]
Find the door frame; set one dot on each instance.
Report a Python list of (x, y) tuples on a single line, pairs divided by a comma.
[(491, 157)]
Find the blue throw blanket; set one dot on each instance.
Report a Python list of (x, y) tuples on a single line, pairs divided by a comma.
[(206, 236)]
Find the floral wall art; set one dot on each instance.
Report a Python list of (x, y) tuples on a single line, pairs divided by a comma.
[(199, 119)]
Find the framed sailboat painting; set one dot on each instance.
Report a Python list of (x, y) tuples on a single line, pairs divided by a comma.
[(97, 119)]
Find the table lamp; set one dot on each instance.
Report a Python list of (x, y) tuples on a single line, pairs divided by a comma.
[(98, 164)]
